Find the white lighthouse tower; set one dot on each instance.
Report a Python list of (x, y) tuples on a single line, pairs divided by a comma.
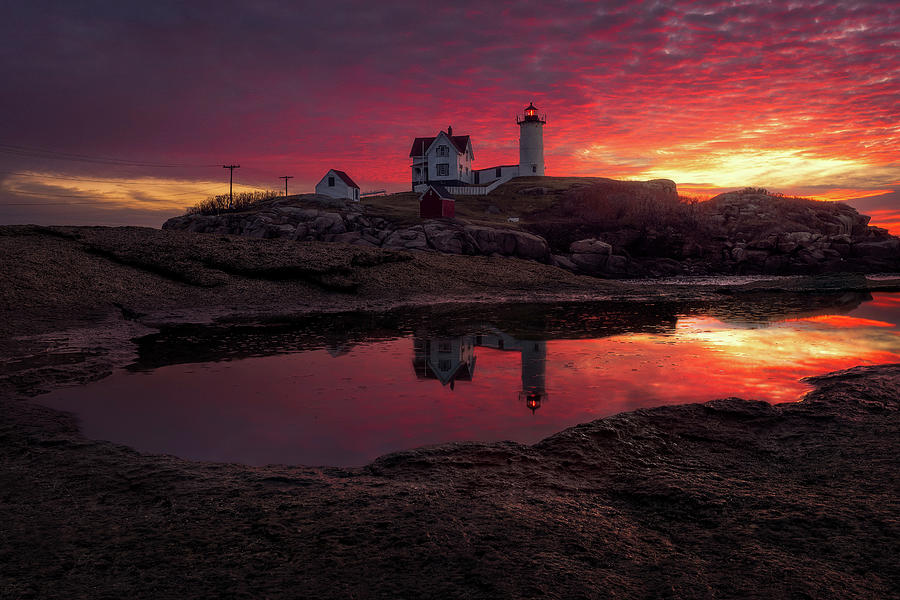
[(531, 142)]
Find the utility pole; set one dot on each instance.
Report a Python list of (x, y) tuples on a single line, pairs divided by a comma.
[(286, 177), (231, 169)]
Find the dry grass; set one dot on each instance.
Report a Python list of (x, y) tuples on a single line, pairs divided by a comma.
[(223, 203)]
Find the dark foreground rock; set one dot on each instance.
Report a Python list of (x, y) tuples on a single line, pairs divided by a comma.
[(729, 499)]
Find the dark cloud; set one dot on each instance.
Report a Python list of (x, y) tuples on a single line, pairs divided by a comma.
[(306, 86)]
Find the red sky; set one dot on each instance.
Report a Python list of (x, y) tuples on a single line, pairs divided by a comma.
[(798, 97)]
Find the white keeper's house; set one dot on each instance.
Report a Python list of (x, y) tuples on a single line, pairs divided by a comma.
[(446, 159), (338, 184)]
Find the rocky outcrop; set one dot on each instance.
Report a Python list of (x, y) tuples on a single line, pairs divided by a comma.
[(746, 232), (352, 225)]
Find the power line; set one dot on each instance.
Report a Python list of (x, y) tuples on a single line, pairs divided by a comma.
[(286, 177), (231, 169)]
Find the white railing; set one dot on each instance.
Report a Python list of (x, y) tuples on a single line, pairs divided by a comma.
[(468, 190)]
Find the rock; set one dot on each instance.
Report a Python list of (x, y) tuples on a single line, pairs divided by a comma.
[(590, 263), (300, 214), (348, 237), (563, 262), (889, 248), (756, 257), (328, 223), (412, 238), (617, 265), (530, 246), (767, 243), (486, 239), (449, 242), (590, 246), (775, 263)]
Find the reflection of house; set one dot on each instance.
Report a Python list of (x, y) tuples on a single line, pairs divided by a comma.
[(446, 359), (453, 359)]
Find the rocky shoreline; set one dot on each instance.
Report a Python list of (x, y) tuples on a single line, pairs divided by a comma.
[(744, 233), (727, 499)]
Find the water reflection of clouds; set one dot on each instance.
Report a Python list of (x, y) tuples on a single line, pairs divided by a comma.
[(344, 394)]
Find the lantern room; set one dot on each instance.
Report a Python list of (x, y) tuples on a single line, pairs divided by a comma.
[(531, 115)]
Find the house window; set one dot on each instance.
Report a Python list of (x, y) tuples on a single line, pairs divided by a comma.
[(499, 171), (443, 169), (443, 150), (444, 346), (356, 193), (418, 171), (444, 365), (534, 168), (331, 182)]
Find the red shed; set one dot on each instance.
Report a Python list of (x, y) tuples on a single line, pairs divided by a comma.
[(436, 202)]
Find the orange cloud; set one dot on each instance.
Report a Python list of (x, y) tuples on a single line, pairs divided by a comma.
[(843, 195)]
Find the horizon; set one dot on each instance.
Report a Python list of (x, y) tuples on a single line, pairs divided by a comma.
[(124, 113)]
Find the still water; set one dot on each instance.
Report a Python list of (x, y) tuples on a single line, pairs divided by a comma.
[(342, 390)]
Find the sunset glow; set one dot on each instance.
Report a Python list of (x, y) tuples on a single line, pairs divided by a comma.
[(799, 98)]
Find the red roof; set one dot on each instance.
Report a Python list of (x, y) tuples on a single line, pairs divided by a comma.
[(420, 144), (346, 178)]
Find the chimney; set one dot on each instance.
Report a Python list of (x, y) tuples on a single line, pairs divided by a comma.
[(449, 130)]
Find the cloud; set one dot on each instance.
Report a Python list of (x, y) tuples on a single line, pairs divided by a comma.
[(791, 94)]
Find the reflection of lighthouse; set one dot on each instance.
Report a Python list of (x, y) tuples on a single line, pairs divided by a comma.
[(534, 380), (534, 361)]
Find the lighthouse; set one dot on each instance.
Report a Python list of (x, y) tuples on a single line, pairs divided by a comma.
[(531, 142)]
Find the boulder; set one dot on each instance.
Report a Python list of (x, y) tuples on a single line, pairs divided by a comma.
[(449, 242), (617, 265), (328, 223), (412, 238), (590, 246), (530, 246), (889, 248), (564, 262), (593, 263)]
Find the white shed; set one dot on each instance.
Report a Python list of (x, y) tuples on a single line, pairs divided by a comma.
[(338, 184)]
